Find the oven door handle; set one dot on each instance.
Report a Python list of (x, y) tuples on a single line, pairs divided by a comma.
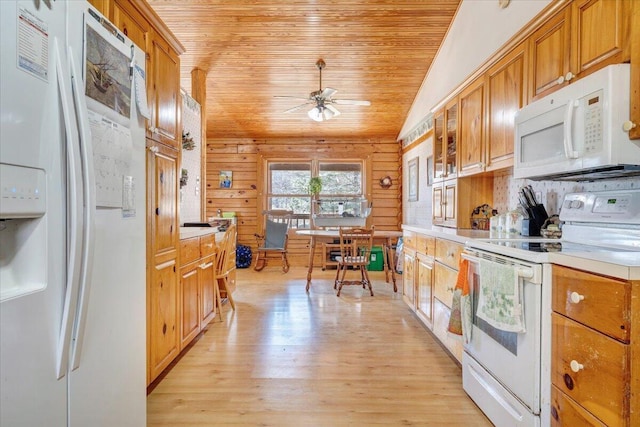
[(521, 271)]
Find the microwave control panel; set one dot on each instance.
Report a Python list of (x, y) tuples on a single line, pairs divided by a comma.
[(593, 122)]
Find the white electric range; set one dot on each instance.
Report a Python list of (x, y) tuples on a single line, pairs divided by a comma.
[(601, 234)]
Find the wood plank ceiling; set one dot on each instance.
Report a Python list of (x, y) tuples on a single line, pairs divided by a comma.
[(254, 50)]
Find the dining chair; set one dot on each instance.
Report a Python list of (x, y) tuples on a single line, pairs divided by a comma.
[(274, 238), (225, 264), (355, 254)]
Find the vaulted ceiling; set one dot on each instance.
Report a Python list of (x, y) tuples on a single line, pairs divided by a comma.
[(256, 50)]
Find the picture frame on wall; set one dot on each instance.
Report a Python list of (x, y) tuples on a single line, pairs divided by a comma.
[(412, 174), (226, 179)]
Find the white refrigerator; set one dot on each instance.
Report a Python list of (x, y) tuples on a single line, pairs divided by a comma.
[(72, 219)]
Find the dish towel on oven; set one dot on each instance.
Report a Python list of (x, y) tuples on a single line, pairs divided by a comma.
[(460, 319), (499, 300)]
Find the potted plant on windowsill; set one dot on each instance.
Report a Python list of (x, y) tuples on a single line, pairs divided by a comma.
[(315, 185)]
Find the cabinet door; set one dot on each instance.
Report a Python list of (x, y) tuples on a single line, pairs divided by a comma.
[(451, 140), (437, 206), (505, 96), (471, 125), (163, 325), (549, 53), (189, 302), (207, 289), (408, 279), (424, 306), (439, 133), (131, 23), (449, 202), (600, 32), (165, 67), (163, 198)]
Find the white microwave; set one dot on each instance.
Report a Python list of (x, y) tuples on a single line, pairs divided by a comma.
[(576, 133)]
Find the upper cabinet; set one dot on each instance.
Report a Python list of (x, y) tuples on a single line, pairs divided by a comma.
[(506, 94), (164, 75), (585, 36), (445, 142), (472, 141), (132, 24)]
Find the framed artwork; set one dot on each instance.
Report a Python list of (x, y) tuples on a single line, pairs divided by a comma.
[(413, 180), (226, 179), (429, 171)]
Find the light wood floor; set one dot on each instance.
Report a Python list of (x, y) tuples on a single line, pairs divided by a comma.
[(288, 358)]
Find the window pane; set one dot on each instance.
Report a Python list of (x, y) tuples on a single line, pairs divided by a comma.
[(289, 178), (299, 205), (341, 178)]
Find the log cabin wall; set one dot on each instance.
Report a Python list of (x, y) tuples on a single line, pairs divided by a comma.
[(242, 157)]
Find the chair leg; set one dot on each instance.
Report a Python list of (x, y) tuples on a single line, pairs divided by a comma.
[(218, 300), (223, 281), (366, 278), (341, 284), (285, 262), (335, 282), (260, 262)]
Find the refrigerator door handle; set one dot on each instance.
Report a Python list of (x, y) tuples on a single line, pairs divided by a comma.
[(74, 216), (88, 179)]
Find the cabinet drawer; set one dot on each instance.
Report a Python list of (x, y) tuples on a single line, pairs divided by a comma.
[(425, 244), (409, 239), (599, 302), (602, 381), (444, 283), (566, 412), (189, 250), (207, 244), (448, 252)]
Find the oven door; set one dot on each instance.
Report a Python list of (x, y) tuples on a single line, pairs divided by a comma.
[(511, 359)]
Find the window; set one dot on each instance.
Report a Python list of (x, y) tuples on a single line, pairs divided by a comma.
[(288, 184)]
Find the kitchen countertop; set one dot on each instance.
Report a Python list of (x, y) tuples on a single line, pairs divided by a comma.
[(618, 264), (459, 236), (189, 232)]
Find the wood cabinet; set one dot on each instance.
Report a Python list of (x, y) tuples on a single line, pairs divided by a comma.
[(408, 277), (164, 93), (162, 317), (445, 142), (583, 37), (429, 276), (132, 23), (163, 328), (506, 87), (424, 288), (471, 124), (197, 286), (634, 133), (594, 373)]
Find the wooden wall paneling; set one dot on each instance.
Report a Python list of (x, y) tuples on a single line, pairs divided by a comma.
[(244, 157)]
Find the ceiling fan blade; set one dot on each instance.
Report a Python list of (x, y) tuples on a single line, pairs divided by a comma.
[(351, 102), (291, 110), (328, 92), (333, 109), (291, 97)]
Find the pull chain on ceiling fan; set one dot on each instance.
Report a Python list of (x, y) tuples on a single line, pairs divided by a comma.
[(323, 110)]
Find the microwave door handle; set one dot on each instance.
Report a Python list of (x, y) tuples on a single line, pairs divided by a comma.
[(569, 151)]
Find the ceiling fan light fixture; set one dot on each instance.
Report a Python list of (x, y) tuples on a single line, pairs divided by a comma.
[(320, 113)]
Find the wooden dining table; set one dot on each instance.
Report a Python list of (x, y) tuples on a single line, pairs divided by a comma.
[(386, 237)]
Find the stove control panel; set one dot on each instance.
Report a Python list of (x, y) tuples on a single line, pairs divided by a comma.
[(619, 206)]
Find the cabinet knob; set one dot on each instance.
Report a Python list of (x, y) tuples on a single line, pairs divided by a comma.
[(575, 366), (628, 125), (569, 76), (560, 80), (154, 149), (576, 297)]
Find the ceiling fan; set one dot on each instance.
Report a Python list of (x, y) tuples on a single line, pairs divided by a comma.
[(322, 98)]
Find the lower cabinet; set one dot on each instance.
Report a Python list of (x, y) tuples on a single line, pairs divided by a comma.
[(595, 368), (424, 294), (164, 344), (197, 286), (429, 276)]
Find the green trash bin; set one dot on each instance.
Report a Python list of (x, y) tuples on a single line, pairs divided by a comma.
[(376, 262)]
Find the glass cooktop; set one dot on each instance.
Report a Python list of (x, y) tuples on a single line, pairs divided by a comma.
[(552, 245)]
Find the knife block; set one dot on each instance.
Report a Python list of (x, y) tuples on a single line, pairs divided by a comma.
[(537, 216)]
